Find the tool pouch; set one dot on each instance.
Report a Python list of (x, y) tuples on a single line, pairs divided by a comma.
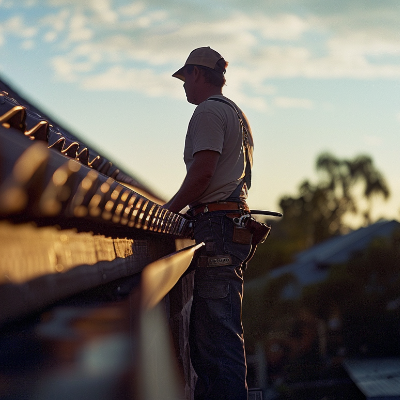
[(242, 235), (258, 230)]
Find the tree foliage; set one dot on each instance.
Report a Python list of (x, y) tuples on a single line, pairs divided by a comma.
[(318, 211)]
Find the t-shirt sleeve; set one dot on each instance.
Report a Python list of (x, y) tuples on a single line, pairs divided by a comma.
[(207, 132)]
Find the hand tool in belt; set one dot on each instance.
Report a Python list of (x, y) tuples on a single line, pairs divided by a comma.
[(259, 230)]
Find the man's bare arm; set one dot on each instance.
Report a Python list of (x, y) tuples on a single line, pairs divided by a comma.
[(197, 179)]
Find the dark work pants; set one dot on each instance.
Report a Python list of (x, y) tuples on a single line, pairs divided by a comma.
[(216, 333)]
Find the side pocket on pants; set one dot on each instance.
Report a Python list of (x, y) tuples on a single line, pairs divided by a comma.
[(216, 294)]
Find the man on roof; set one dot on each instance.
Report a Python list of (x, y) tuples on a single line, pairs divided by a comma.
[(218, 156)]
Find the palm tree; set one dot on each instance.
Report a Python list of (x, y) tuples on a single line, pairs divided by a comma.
[(319, 209), (362, 168)]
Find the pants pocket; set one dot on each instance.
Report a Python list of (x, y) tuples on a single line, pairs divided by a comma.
[(216, 295)]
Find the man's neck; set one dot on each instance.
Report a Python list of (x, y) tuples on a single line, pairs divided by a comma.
[(208, 92)]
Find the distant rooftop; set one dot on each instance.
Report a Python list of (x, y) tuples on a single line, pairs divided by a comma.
[(378, 379), (311, 264)]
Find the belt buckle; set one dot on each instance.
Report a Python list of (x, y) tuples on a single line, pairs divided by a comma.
[(205, 209)]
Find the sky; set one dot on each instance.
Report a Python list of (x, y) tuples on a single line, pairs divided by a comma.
[(312, 76)]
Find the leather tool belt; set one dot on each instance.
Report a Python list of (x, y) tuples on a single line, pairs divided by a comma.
[(247, 230), (218, 206)]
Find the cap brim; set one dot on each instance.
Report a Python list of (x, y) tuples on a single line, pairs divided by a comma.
[(179, 74)]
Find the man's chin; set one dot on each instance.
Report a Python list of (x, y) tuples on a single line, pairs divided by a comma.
[(192, 101)]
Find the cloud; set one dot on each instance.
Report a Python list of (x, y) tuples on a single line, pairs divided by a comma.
[(373, 141), (283, 27), (146, 81), (132, 9), (98, 43), (54, 24), (78, 29), (103, 9), (259, 48), (16, 27), (75, 65), (289, 102), (28, 44)]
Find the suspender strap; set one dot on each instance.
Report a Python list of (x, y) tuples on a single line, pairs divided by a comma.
[(245, 139)]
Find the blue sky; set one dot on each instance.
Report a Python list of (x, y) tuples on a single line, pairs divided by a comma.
[(312, 76)]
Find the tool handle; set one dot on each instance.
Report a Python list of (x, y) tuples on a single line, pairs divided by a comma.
[(263, 212)]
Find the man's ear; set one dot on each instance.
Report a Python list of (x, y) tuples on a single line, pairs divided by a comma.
[(197, 73)]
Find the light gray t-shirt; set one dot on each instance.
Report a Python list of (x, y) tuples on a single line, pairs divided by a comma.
[(215, 126)]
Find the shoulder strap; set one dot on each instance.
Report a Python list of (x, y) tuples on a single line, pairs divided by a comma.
[(245, 138), (242, 122)]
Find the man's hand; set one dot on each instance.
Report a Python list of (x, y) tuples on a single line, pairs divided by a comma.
[(197, 179)]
